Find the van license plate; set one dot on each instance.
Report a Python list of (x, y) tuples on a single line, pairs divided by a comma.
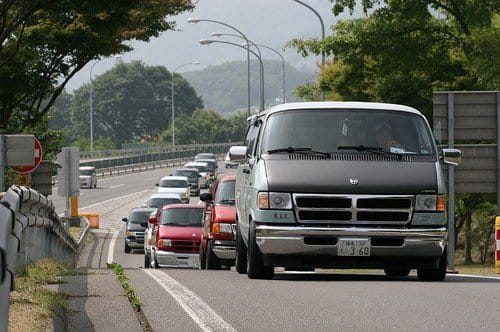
[(353, 247)]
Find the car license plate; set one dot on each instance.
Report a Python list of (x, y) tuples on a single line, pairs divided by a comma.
[(353, 247)]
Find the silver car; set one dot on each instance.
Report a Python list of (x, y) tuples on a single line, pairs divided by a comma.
[(88, 177)]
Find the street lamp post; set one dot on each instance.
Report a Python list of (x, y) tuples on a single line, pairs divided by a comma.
[(91, 101), (173, 95), (322, 35), (262, 97), (283, 78), (197, 20)]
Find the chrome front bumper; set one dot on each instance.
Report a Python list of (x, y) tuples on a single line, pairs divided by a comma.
[(172, 259), (289, 240), (225, 249)]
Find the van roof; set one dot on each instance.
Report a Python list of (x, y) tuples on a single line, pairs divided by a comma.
[(174, 178), (165, 195), (341, 105)]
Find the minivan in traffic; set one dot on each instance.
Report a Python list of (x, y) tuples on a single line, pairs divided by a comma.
[(341, 185)]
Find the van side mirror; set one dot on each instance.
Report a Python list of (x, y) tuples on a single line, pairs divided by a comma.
[(206, 197), (124, 219), (157, 185), (153, 220), (238, 153), (452, 157)]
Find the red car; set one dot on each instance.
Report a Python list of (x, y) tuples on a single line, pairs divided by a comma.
[(176, 236), (218, 244)]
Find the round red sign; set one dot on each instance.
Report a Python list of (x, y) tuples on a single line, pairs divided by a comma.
[(38, 159)]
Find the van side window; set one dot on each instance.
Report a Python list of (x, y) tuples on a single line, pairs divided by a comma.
[(251, 138)]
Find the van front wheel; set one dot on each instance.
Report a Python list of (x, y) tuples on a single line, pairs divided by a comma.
[(438, 274), (241, 254), (255, 259)]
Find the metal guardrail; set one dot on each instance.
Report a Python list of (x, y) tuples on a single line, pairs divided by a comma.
[(109, 154), (30, 229)]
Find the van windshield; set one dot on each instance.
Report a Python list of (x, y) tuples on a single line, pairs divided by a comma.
[(333, 131), (87, 172), (182, 217), (173, 184)]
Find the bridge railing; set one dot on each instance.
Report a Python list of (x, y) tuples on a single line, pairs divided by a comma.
[(30, 229)]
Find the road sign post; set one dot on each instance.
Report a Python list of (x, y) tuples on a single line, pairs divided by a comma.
[(68, 176), (16, 151)]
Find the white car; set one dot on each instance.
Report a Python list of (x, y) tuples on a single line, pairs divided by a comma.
[(202, 167), (175, 185), (88, 177), (159, 200)]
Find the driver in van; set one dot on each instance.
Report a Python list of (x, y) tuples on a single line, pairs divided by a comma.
[(383, 137)]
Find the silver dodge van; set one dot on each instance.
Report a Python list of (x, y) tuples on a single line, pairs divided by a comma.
[(341, 185)]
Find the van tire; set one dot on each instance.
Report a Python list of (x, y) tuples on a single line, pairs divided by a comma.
[(212, 262), (127, 248), (203, 258), (241, 254), (255, 259), (397, 272), (147, 261), (438, 274)]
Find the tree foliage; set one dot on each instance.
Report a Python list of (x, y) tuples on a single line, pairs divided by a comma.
[(131, 100), (403, 50), (206, 126), (44, 43)]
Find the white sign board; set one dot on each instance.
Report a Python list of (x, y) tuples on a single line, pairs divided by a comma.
[(19, 150), (68, 176)]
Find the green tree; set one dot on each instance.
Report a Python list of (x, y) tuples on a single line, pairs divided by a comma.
[(403, 50), (131, 100), (60, 114), (205, 126), (45, 43)]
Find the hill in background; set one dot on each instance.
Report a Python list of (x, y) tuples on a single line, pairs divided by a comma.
[(224, 87)]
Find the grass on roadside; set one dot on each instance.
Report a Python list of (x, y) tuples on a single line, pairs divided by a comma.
[(75, 231), (32, 304), (476, 269), (127, 287)]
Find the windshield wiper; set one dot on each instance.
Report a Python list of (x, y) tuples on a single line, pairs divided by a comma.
[(226, 201), (299, 150), (372, 149)]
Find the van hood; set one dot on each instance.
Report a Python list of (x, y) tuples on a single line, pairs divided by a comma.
[(225, 213), (335, 177), (179, 233)]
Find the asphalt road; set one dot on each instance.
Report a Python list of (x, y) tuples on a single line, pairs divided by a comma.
[(193, 300)]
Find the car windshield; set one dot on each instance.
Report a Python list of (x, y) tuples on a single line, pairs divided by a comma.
[(187, 173), (160, 202), (340, 130), (204, 156), (225, 193), (200, 168), (174, 184), (138, 217), (182, 217), (87, 172)]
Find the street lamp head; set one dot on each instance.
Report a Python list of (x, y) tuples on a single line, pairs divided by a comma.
[(205, 41), (216, 34), (245, 45), (193, 20), (195, 63)]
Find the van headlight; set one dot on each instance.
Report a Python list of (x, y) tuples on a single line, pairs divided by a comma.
[(430, 203), (166, 243), (275, 201)]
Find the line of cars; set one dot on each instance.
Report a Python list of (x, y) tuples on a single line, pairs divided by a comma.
[(173, 232)]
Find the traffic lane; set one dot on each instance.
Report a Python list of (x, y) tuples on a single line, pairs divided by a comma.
[(113, 187), (326, 301)]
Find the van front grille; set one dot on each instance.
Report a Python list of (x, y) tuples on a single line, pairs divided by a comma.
[(353, 209)]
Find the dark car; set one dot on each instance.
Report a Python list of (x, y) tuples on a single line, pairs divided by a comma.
[(193, 176), (137, 222)]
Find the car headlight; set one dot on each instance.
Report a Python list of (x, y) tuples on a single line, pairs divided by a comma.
[(275, 201), (219, 228), (430, 203), (166, 242)]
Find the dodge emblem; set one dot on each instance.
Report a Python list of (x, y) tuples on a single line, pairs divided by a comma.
[(354, 181)]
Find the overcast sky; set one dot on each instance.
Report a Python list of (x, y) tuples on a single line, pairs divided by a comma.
[(270, 22)]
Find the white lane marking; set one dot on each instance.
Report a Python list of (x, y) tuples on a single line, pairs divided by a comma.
[(199, 311), (117, 186), (114, 199), (473, 276), (111, 248)]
